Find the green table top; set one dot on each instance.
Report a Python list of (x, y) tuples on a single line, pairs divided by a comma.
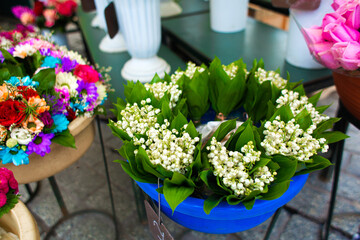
[(257, 41), (93, 36), (190, 7)]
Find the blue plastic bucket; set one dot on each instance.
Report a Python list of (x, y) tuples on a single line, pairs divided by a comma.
[(224, 218)]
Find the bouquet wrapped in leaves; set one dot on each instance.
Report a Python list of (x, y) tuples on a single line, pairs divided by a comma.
[(281, 138)]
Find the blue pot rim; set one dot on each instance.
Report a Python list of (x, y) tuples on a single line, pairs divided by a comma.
[(194, 206)]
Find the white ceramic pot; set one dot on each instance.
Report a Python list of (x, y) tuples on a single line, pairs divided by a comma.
[(58, 37), (20, 222), (59, 158), (227, 16), (169, 8), (99, 19), (141, 26), (297, 52)]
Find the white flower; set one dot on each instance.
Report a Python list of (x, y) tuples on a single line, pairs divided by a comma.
[(75, 56), (272, 76), (231, 70), (189, 72), (290, 140), (101, 90), (22, 135), (234, 168), (160, 88), (24, 50), (298, 104), (67, 80)]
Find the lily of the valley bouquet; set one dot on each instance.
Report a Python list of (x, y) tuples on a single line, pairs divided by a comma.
[(335, 43), (43, 87), (52, 14), (281, 137)]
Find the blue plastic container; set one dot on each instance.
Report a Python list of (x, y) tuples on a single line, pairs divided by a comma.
[(224, 218)]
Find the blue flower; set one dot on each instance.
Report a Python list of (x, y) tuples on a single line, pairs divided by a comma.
[(14, 155), (25, 81), (79, 106), (61, 123), (50, 62)]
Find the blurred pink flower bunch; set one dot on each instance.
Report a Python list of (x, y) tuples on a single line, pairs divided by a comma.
[(335, 43), (46, 13), (7, 183)]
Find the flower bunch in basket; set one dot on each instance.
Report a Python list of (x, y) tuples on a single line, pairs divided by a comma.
[(335, 43), (44, 87), (9, 191), (279, 138), (53, 14)]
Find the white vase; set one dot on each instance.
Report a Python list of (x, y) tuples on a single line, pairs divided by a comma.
[(227, 16), (140, 24), (58, 37), (297, 52), (99, 19), (169, 8)]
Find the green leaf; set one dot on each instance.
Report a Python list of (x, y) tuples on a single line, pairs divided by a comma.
[(233, 200), (287, 168), (192, 130), (318, 163), (147, 179), (223, 130), (332, 137), (315, 98), (263, 162), (64, 138), (276, 190), (118, 132), (46, 79), (11, 200), (8, 56), (178, 122), (177, 189), (212, 202), (325, 125), (4, 75), (246, 136), (249, 204), (304, 119)]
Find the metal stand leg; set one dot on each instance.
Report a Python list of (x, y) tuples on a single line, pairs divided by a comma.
[(107, 176), (342, 126), (32, 193), (272, 224), (66, 214)]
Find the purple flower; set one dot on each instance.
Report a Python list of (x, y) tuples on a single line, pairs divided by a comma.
[(57, 105), (46, 118), (45, 51), (88, 91), (40, 144), (68, 64), (11, 50), (19, 10), (2, 59)]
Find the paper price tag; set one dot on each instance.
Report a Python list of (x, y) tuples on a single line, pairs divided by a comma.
[(88, 5), (297, 4), (157, 228), (111, 20)]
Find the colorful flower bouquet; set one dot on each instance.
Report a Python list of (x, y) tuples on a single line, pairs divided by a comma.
[(43, 87), (8, 191), (280, 138), (53, 14)]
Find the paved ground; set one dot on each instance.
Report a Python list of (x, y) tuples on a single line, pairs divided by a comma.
[(83, 186)]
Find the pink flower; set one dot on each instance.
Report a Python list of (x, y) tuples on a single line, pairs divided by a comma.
[(20, 10), (353, 20), (347, 54), (50, 17), (14, 185), (4, 185), (333, 18), (339, 32), (323, 53), (86, 73), (27, 18), (337, 3), (3, 199)]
